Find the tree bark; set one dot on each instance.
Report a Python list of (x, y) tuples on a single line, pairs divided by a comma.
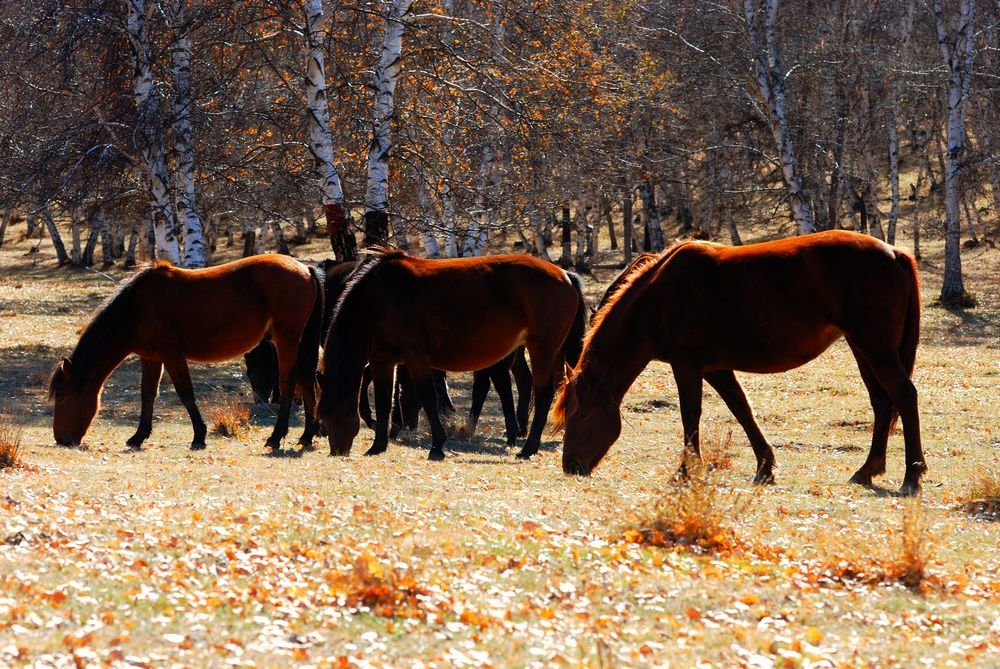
[(566, 260), (627, 227), (387, 74), (149, 136), (74, 215), (107, 240), (184, 175), (57, 241), (279, 237), (893, 142), (4, 223), (536, 217), (133, 242), (957, 51), (95, 231), (771, 84), (320, 144), (606, 215), (431, 247), (652, 216)]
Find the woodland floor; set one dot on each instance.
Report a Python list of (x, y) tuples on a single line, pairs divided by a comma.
[(166, 557)]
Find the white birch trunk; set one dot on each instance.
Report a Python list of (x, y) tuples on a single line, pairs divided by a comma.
[(583, 209), (431, 248), (192, 230), (652, 216), (74, 215), (957, 51), (57, 242), (771, 84), (149, 136), (321, 139), (448, 218), (384, 83), (536, 218), (893, 142)]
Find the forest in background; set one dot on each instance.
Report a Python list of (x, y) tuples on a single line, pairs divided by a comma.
[(161, 125)]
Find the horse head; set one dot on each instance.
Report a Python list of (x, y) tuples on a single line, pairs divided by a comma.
[(591, 420), (75, 405), (340, 419)]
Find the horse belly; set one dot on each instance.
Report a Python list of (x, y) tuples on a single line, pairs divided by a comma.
[(773, 352), (469, 354)]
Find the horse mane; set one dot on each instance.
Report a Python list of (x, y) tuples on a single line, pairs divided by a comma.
[(106, 319), (643, 267), (374, 257)]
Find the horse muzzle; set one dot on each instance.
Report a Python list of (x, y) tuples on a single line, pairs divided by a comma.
[(574, 467)]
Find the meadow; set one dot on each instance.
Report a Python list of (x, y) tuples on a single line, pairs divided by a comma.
[(231, 557)]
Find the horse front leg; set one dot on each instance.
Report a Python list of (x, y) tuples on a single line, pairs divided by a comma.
[(423, 380), (307, 381), (689, 389), (480, 389), (500, 375), (546, 356), (522, 379), (382, 382), (152, 370), (731, 392), (177, 368), (364, 406)]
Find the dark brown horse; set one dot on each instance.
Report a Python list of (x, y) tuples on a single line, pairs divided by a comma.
[(710, 310), (456, 315), (167, 316)]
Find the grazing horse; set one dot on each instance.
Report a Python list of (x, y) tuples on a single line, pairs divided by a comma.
[(710, 310), (459, 314), (167, 316)]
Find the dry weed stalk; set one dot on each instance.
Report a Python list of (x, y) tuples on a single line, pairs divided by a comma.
[(11, 436), (984, 493), (229, 416), (693, 511)]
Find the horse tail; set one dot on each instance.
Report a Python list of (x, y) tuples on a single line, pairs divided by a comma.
[(308, 356), (911, 328), (573, 346)]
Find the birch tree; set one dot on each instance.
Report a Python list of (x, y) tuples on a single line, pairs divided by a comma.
[(958, 51), (149, 135), (770, 77), (321, 139), (384, 82), (184, 174)]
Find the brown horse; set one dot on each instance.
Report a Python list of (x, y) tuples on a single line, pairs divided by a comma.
[(710, 310), (456, 315), (167, 315)]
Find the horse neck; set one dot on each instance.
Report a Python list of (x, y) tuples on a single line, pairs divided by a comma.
[(616, 353), (96, 356)]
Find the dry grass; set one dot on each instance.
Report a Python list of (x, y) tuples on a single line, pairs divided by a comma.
[(227, 557), (694, 510), (11, 437), (983, 497), (229, 416)]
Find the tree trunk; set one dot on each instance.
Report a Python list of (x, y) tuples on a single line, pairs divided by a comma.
[(4, 223), (606, 215), (771, 84), (973, 235), (431, 248), (893, 142), (583, 211), (536, 217), (279, 237), (95, 231), (107, 241), (249, 239), (57, 241), (74, 215), (448, 218), (133, 241), (957, 50), (386, 76), (627, 227), (652, 216), (149, 136), (180, 66), (566, 261), (150, 236), (320, 144)]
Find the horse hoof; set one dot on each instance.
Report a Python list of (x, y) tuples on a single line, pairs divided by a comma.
[(307, 448), (526, 453), (909, 489), (198, 446), (763, 478), (436, 455), (861, 478), (133, 446), (376, 450)]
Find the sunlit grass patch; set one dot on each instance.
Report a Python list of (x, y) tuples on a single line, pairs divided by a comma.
[(694, 511), (11, 436), (229, 416), (983, 496)]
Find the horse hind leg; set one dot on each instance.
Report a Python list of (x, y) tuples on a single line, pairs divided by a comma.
[(287, 374), (522, 379), (500, 374), (422, 377), (152, 370), (383, 383), (480, 389), (885, 415), (726, 384), (889, 373), (177, 368), (544, 360)]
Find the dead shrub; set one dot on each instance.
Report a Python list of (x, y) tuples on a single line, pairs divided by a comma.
[(692, 511), (983, 497), (229, 416), (902, 559), (11, 436)]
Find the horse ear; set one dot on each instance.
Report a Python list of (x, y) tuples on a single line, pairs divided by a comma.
[(67, 366)]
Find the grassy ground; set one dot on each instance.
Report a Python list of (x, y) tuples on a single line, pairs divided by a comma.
[(230, 557)]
